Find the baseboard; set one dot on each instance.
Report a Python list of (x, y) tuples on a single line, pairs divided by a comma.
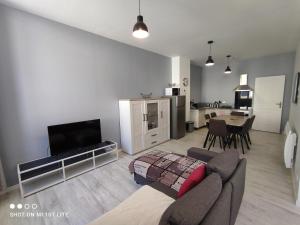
[(9, 189)]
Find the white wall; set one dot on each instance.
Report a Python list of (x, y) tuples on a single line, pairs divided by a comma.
[(181, 69), (295, 123)]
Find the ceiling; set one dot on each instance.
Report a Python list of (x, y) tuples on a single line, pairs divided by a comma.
[(244, 29)]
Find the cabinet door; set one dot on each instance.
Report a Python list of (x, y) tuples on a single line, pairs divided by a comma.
[(137, 125), (202, 120), (194, 116), (151, 116), (164, 113), (164, 119)]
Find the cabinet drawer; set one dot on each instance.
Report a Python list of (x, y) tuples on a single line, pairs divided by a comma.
[(152, 139)]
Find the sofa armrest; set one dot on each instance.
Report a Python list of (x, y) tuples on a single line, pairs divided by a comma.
[(201, 154), (238, 187), (194, 205)]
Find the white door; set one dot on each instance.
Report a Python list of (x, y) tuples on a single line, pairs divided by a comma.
[(268, 100), (137, 110), (164, 119)]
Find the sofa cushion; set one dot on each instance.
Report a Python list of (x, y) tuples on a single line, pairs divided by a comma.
[(192, 207), (219, 214), (144, 207), (195, 178), (224, 164), (201, 154)]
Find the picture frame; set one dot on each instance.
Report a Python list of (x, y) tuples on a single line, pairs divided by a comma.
[(296, 88)]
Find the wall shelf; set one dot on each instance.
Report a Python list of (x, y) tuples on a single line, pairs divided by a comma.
[(37, 175)]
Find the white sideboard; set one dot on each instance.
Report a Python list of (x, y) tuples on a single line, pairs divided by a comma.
[(144, 123)]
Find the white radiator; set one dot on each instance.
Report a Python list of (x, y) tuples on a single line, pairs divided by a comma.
[(289, 146)]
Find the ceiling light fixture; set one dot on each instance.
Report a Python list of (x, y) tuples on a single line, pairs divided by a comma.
[(140, 29), (210, 61), (228, 70)]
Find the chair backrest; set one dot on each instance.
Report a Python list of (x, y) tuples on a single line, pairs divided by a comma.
[(207, 116), (236, 113), (213, 114), (252, 120), (247, 125), (217, 127)]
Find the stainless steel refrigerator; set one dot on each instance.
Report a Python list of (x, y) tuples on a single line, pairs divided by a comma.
[(177, 117)]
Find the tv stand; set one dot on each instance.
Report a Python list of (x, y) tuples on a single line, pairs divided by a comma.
[(40, 174)]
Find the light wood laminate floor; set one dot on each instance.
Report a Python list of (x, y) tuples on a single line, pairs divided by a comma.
[(268, 198)]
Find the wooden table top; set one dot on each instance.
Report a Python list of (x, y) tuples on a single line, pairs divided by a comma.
[(231, 120)]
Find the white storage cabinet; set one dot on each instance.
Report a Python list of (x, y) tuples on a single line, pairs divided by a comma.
[(144, 123)]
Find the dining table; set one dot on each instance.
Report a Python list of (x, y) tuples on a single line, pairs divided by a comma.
[(232, 122)]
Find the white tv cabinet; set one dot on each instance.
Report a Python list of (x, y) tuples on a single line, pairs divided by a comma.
[(40, 174)]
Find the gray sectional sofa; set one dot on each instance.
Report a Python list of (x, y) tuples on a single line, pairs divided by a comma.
[(216, 200)]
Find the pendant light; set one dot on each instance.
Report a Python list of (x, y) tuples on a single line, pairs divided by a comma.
[(228, 70), (210, 61), (140, 29)]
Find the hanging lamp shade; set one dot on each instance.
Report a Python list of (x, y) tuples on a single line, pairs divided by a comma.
[(210, 61), (140, 29), (228, 70)]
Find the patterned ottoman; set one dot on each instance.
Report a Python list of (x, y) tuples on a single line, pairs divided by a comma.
[(168, 168)]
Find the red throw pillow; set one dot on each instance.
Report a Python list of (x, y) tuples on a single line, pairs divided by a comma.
[(195, 178)]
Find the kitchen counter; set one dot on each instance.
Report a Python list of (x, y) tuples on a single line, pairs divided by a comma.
[(198, 115), (202, 108)]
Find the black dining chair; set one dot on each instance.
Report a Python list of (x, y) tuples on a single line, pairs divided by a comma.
[(207, 116), (213, 114), (236, 113), (218, 129), (241, 134), (250, 127)]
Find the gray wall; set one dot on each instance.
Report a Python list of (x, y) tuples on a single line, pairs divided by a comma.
[(215, 85), (51, 74), (295, 123), (195, 83)]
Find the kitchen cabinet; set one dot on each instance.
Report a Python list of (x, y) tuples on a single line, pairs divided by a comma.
[(198, 115)]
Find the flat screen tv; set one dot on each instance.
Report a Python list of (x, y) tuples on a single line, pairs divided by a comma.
[(72, 136)]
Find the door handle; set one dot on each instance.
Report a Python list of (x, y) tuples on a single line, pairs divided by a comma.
[(279, 104), (161, 114), (145, 117)]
